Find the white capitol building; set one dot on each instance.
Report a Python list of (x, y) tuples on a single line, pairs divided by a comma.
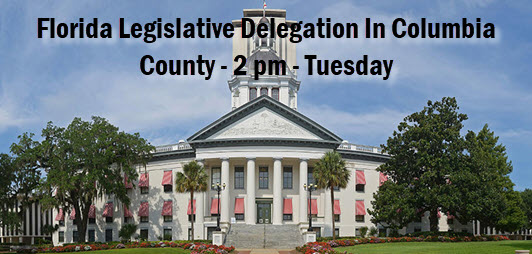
[(264, 151)]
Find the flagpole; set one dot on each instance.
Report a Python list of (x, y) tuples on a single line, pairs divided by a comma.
[(263, 8)]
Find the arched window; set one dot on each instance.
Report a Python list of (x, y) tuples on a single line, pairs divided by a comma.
[(264, 91), (275, 93), (252, 93)]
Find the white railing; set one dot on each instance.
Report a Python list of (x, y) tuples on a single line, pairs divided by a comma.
[(354, 147), (174, 147)]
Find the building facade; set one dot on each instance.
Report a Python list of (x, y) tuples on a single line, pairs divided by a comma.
[(264, 151)]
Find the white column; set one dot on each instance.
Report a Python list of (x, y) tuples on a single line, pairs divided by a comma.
[(225, 197), (303, 169), (328, 214), (39, 218), (200, 209), (277, 192), (251, 208)]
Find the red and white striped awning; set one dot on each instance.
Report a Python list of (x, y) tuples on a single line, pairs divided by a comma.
[(73, 214), (60, 215), (450, 216), (189, 212), (382, 178), (92, 212), (214, 206), (144, 209), (239, 205), (167, 178), (337, 207), (144, 180), (360, 208), (360, 177), (314, 206), (439, 214), (108, 210), (287, 206), (127, 212), (167, 208), (127, 183)]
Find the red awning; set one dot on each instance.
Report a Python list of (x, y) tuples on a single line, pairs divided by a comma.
[(144, 209), (127, 183), (382, 178), (127, 212), (287, 206), (314, 206), (60, 215), (108, 210), (450, 216), (239, 206), (214, 206), (360, 177), (337, 207), (360, 207), (167, 178), (439, 214), (167, 208), (189, 208), (144, 180), (92, 212), (73, 214)]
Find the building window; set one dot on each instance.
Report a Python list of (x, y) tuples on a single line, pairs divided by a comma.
[(239, 178), (263, 177), (109, 219), (337, 231), (190, 234), (167, 234), (239, 216), (252, 93), (287, 217), (128, 220), (75, 236), (61, 236), (92, 236), (144, 219), (417, 229), (108, 235), (144, 234), (287, 178), (360, 187), (191, 217), (209, 232), (61, 223), (264, 91), (357, 231), (275, 93), (310, 176), (215, 176), (92, 220), (318, 231), (359, 218), (167, 218), (337, 217), (144, 190), (168, 188)]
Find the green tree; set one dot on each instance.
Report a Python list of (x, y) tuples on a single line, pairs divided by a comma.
[(127, 231), (425, 149), (393, 205), (526, 196), (330, 172), (88, 160), (7, 192), (192, 179)]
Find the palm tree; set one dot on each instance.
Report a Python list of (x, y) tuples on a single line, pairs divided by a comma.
[(192, 179), (330, 172)]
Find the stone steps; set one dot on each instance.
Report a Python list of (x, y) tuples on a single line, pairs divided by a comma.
[(264, 236)]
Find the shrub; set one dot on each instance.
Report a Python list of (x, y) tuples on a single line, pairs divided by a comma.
[(127, 231), (363, 231), (373, 231)]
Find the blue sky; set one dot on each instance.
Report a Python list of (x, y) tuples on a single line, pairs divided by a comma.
[(45, 80)]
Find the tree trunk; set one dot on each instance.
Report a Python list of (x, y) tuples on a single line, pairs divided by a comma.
[(193, 216), (332, 212), (81, 220), (433, 218)]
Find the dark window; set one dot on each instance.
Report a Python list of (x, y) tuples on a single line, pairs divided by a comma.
[(239, 177), (92, 236), (318, 231), (144, 219), (215, 176), (75, 236), (287, 217), (128, 220), (252, 93), (144, 190), (263, 177), (337, 217), (61, 236), (275, 93), (109, 219), (167, 232), (168, 188), (337, 231), (167, 218), (209, 232), (108, 235), (61, 223), (287, 178), (189, 234), (359, 218), (92, 220), (239, 216), (264, 91), (310, 176), (144, 234), (360, 187), (417, 229), (191, 217)]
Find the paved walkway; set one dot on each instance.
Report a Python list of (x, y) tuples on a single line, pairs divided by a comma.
[(264, 251)]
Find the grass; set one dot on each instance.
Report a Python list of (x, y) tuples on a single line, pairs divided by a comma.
[(142, 251), (435, 247)]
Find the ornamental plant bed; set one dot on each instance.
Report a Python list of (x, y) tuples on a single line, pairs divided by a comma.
[(195, 248)]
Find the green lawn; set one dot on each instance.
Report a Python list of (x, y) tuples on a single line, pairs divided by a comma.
[(143, 250), (505, 247)]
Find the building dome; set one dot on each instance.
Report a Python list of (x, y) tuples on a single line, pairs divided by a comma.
[(265, 56), (264, 20)]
